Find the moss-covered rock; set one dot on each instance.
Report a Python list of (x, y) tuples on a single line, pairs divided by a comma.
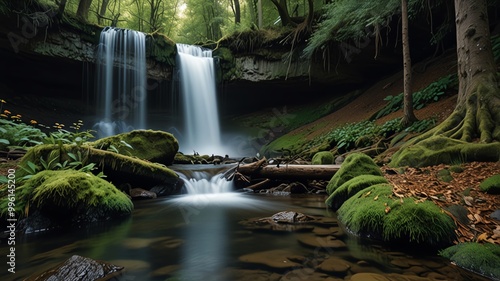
[(323, 157), (154, 146), (491, 185), (375, 212), (354, 165), (119, 169), (441, 150), (70, 197), (480, 258), (350, 188)]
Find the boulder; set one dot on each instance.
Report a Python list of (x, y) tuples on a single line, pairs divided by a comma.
[(376, 213), (78, 268), (153, 146), (69, 197), (322, 157), (354, 165)]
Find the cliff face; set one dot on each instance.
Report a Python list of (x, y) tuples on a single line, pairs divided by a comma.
[(46, 57)]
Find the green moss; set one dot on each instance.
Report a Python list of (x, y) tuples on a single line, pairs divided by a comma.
[(444, 175), (481, 258), (456, 169), (376, 213), (354, 165), (441, 150), (118, 168), (154, 146), (70, 195), (351, 187), (161, 48), (491, 185), (322, 157)]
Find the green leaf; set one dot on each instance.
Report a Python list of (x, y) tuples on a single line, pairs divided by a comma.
[(4, 141)]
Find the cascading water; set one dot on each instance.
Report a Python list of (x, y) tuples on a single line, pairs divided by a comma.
[(197, 85), (121, 81)]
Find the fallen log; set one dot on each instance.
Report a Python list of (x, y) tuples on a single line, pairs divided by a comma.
[(290, 171)]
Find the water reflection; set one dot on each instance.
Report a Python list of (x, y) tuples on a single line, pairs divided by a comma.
[(200, 238)]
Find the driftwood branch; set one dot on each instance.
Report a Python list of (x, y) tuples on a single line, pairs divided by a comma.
[(297, 172)]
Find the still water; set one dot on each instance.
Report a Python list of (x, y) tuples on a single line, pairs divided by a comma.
[(201, 237)]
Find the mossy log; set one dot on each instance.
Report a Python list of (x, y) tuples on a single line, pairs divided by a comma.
[(118, 168), (284, 171)]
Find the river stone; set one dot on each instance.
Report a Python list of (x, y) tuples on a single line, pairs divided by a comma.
[(139, 193), (291, 217), (386, 277), (277, 259), (307, 274), (77, 266), (326, 242), (495, 215), (334, 265)]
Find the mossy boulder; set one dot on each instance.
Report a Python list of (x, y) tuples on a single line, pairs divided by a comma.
[(154, 146), (323, 157), (480, 258), (355, 164), (351, 187), (119, 169), (441, 150), (491, 185), (375, 212), (69, 197)]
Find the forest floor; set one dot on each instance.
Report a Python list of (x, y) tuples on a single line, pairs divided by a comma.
[(423, 183)]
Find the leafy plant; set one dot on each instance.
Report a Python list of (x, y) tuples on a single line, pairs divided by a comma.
[(432, 93), (19, 135)]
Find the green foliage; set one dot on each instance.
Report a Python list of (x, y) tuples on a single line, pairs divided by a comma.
[(62, 136), (344, 20), (495, 45), (432, 93), (480, 258), (19, 135), (347, 137), (491, 185)]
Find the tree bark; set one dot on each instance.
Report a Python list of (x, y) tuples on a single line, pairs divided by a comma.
[(476, 116), (282, 7), (409, 116), (83, 9), (102, 11)]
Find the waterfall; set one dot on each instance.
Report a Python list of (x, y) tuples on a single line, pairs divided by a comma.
[(198, 91), (121, 81)]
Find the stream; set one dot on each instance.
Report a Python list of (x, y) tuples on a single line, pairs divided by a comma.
[(200, 237)]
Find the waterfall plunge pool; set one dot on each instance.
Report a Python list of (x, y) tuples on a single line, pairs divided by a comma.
[(200, 237)]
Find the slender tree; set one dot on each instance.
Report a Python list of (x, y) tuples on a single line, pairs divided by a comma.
[(83, 9), (282, 6), (62, 6), (409, 116)]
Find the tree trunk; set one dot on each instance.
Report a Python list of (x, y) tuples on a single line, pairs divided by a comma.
[(282, 7), (259, 13), (102, 11), (409, 116), (237, 12), (284, 171), (83, 9), (62, 6), (476, 115)]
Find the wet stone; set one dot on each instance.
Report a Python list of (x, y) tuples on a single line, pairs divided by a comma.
[(326, 242), (277, 259), (334, 265)]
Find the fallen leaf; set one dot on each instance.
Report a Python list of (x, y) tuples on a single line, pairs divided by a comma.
[(376, 198), (482, 237), (468, 200), (387, 209)]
